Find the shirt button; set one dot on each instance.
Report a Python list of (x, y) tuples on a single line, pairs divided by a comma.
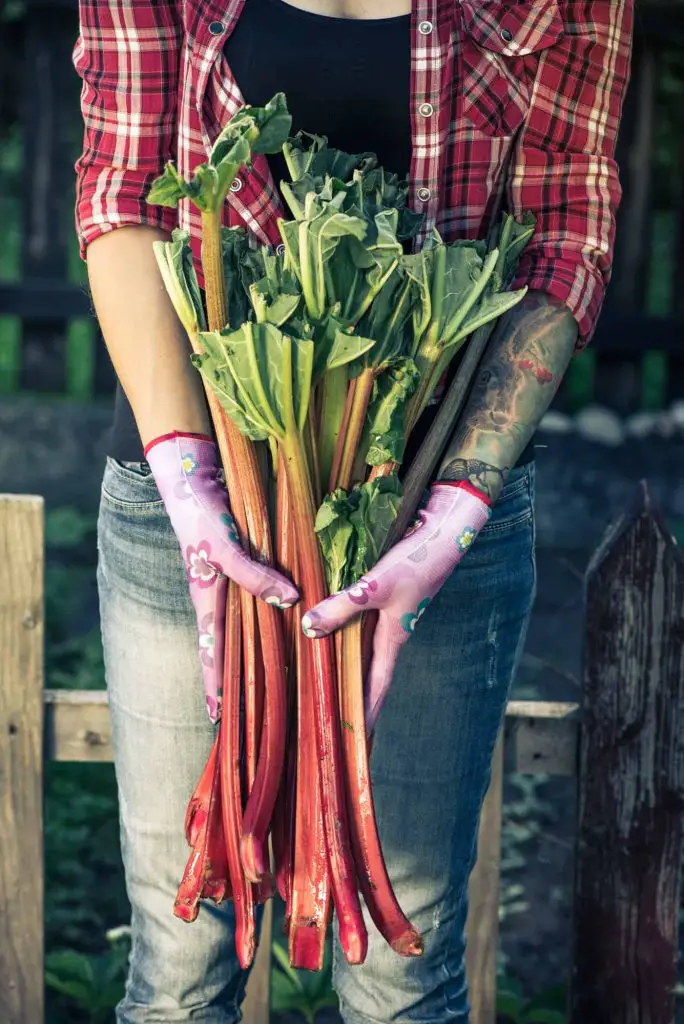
[(216, 28), (426, 110), (425, 28), (424, 194), (236, 184), (506, 35)]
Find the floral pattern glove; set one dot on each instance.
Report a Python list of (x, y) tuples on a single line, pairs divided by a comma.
[(185, 468), (404, 581)]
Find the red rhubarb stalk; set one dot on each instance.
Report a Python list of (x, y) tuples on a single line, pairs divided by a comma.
[(372, 872), (231, 802), (186, 905), (311, 579), (310, 885), (198, 808)]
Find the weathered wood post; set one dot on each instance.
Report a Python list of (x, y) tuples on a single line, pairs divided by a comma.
[(21, 756), (482, 928), (632, 777)]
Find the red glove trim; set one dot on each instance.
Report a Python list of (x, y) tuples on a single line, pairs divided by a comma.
[(465, 485), (172, 435)]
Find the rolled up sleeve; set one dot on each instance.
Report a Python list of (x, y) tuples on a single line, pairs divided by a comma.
[(127, 55), (563, 167)]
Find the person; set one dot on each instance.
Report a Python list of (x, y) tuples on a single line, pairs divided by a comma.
[(483, 106)]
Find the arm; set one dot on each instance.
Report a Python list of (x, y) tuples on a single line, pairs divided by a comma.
[(127, 55), (563, 170), (523, 366)]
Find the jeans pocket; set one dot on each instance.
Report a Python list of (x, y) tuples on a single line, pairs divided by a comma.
[(515, 505), (130, 486)]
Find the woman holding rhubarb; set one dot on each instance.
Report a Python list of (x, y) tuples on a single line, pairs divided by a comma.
[(480, 106)]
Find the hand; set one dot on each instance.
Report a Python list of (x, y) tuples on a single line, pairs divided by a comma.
[(185, 468), (402, 584)]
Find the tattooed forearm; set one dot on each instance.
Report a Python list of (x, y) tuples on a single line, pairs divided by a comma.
[(523, 367)]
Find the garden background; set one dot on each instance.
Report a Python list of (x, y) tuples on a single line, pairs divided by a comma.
[(620, 417)]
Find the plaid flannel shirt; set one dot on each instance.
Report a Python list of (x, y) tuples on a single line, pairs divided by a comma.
[(512, 101)]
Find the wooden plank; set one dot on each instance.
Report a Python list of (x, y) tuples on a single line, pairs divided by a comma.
[(77, 726), (50, 99), (256, 1008), (541, 737), (21, 782), (626, 907), (482, 928)]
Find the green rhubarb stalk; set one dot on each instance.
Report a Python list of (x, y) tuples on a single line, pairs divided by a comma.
[(333, 400)]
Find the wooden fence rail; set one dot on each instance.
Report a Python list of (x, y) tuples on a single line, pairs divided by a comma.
[(627, 746)]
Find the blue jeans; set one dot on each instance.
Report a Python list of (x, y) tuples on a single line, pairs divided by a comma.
[(431, 762)]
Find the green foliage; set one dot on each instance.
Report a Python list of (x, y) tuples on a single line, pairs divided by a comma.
[(512, 1007), (302, 992), (353, 527), (251, 130), (93, 984)]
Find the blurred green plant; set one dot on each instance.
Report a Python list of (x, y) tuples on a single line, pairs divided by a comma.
[(513, 1007), (301, 992), (91, 985)]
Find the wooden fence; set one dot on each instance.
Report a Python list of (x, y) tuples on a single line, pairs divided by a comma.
[(626, 747), (44, 297)]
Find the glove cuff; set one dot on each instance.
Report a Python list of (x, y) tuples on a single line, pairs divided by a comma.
[(465, 485), (172, 437)]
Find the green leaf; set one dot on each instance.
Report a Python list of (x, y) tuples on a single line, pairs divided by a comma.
[(261, 376), (509, 1005), (346, 348), (336, 536), (553, 998), (542, 1016), (282, 958), (377, 508), (176, 266), (385, 433), (69, 964), (214, 370), (490, 307), (76, 990), (285, 998), (169, 188)]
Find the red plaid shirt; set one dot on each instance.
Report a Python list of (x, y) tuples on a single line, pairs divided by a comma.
[(513, 101)]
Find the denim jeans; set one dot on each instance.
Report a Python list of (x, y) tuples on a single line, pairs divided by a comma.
[(431, 762)]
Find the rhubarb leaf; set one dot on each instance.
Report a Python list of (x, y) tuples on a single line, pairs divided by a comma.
[(377, 508), (346, 348), (174, 260), (353, 528), (261, 376), (385, 434), (169, 188), (491, 307), (336, 536)]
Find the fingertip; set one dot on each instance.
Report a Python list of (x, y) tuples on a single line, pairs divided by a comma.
[(310, 630)]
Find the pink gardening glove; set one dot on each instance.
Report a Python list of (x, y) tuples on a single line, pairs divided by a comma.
[(185, 468), (402, 584)]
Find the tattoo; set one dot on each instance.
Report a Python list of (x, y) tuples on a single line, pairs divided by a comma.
[(480, 474), (522, 369)]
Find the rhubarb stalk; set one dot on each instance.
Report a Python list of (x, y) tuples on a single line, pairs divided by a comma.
[(370, 864), (231, 800)]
